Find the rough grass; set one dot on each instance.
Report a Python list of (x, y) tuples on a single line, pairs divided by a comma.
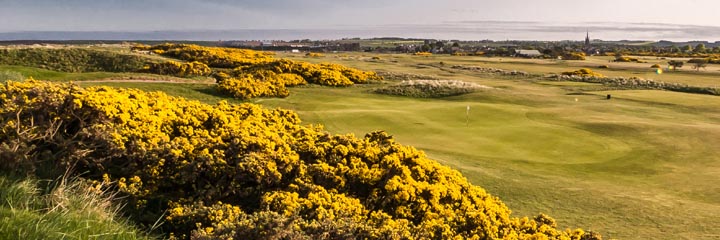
[(69, 210), (49, 75), (6, 75), (429, 88), (399, 76)]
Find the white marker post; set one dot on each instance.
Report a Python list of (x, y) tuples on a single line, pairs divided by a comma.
[(467, 116)]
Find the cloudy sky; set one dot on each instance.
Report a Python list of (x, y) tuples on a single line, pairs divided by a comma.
[(149, 15)]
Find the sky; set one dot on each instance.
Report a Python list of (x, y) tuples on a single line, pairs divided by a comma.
[(152, 15), (541, 20)]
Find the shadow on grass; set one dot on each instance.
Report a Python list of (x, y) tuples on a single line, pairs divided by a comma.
[(210, 90)]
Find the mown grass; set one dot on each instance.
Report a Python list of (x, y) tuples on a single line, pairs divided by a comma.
[(68, 210)]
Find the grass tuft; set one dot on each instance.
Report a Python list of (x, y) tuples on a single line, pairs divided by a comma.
[(68, 209), (10, 76)]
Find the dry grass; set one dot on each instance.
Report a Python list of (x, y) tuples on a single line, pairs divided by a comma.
[(430, 88)]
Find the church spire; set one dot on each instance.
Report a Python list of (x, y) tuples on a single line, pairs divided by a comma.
[(587, 38)]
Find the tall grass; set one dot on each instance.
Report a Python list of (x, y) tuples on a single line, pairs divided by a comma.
[(66, 209), (634, 83), (11, 76), (400, 76), (430, 88)]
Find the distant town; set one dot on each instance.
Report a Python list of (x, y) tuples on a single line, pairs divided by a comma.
[(529, 49)]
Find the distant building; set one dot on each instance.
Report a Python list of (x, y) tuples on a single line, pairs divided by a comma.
[(587, 40), (588, 48), (350, 47), (527, 53)]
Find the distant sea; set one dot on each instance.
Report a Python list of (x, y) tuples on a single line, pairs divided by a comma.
[(470, 30)]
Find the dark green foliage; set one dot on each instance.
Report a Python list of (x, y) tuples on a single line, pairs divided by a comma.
[(71, 60), (676, 64), (698, 63)]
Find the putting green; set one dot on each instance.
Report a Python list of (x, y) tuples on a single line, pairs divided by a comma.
[(492, 130)]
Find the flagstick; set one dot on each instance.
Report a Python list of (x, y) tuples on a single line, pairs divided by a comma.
[(467, 116)]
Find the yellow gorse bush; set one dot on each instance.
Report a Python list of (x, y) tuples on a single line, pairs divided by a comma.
[(246, 172), (213, 56), (249, 86), (583, 72), (179, 69), (267, 75), (573, 56)]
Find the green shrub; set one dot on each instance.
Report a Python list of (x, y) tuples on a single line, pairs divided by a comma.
[(72, 60), (698, 63), (675, 64)]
